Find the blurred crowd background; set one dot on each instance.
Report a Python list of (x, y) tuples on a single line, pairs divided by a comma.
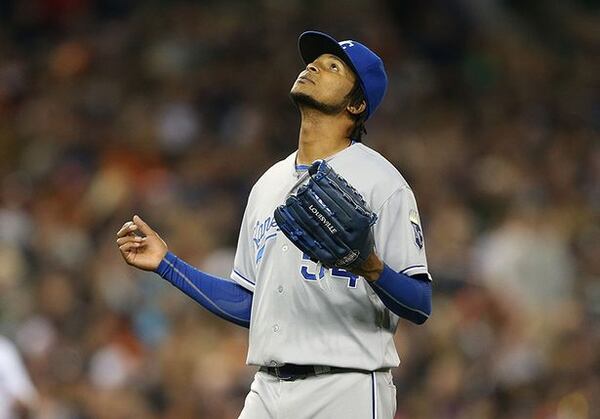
[(173, 109)]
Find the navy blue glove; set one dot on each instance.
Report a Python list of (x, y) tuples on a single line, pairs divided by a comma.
[(328, 220)]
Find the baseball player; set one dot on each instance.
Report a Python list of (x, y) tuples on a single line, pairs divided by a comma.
[(321, 296), (18, 396)]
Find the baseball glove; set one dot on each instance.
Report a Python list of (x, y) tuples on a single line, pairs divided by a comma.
[(328, 219)]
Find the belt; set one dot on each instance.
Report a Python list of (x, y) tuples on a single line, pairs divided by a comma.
[(291, 372)]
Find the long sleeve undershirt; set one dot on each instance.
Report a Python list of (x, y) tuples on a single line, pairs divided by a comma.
[(408, 297), (220, 296)]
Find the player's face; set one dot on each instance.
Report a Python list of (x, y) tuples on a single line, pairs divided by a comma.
[(326, 81)]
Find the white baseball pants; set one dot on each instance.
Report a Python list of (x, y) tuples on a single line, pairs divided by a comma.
[(348, 395)]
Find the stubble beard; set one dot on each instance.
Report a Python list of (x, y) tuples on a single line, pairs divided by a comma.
[(304, 101)]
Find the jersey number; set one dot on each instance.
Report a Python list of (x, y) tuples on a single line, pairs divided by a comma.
[(309, 272)]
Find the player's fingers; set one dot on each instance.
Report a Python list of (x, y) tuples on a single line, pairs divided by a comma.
[(127, 247), (123, 229), (127, 228), (127, 239), (144, 228)]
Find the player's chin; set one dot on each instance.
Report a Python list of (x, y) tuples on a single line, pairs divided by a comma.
[(301, 96)]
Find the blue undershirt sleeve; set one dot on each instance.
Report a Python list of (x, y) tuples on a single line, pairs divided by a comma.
[(224, 298), (408, 297)]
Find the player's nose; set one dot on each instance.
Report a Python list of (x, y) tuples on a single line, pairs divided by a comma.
[(312, 68)]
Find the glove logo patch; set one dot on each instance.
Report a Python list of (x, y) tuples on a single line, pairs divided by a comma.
[(348, 259), (326, 223), (414, 222)]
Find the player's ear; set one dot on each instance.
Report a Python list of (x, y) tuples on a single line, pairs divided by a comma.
[(355, 109)]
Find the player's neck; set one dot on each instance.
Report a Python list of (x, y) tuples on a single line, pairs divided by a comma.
[(321, 136)]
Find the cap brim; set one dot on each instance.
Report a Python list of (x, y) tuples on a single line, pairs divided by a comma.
[(313, 44)]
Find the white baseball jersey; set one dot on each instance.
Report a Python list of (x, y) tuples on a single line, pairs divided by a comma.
[(15, 384), (305, 314)]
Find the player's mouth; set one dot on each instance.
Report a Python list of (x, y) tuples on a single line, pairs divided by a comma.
[(304, 79)]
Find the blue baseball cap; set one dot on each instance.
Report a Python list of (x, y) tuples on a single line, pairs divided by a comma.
[(367, 65)]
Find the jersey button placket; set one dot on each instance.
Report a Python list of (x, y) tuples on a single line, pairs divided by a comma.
[(284, 248)]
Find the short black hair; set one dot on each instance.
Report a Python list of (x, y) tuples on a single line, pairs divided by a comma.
[(355, 97)]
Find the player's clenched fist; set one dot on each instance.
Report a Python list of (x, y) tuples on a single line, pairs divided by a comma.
[(140, 246)]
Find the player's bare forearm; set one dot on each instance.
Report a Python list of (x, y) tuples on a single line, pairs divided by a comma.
[(371, 268)]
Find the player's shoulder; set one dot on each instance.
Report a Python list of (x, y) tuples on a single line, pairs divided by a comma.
[(274, 174), (379, 167), (376, 178), (368, 169), (8, 349), (5, 342), (281, 168)]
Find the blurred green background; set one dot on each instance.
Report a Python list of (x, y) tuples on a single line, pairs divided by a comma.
[(172, 109)]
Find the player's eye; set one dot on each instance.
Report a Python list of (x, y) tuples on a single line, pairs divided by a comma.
[(334, 66)]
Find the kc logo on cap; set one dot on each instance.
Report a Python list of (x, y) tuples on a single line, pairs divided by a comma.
[(345, 44)]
